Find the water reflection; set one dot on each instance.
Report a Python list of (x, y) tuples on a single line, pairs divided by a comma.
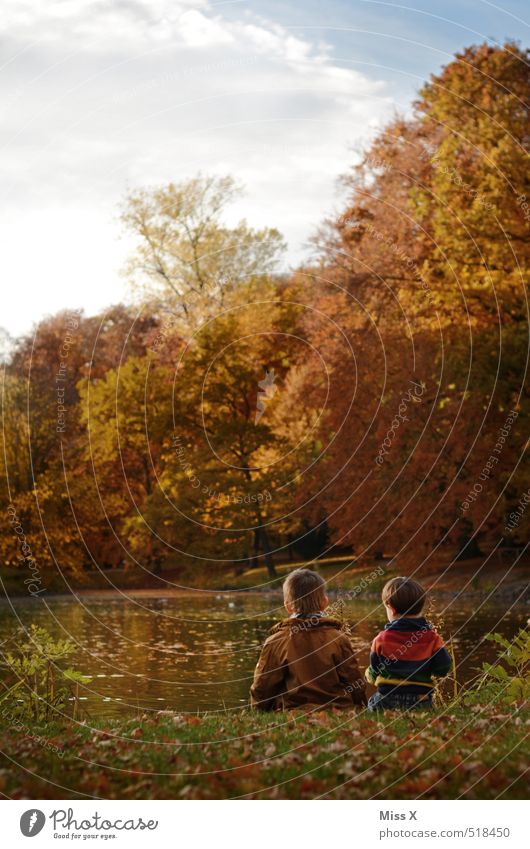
[(198, 652)]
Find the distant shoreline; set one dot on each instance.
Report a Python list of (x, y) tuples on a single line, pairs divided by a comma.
[(518, 595)]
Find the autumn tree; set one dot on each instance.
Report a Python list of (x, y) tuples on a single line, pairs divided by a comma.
[(186, 258), (433, 249), (220, 488)]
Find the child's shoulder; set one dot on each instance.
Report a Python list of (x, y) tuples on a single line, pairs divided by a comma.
[(279, 626), (305, 624), (379, 637)]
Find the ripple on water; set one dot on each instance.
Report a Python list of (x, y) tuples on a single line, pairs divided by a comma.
[(191, 653)]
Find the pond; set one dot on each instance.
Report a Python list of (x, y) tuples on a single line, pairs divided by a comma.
[(197, 652)]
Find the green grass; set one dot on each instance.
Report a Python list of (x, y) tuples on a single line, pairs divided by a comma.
[(343, 573), (477, 753)]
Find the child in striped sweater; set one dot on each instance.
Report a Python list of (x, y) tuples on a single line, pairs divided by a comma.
[(408, 653)]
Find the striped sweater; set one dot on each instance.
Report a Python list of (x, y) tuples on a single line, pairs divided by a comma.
[(407, 655)]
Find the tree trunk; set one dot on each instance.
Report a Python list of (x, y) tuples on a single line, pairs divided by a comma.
[(467, 543), (260, 535), (269, 562), (261, 532)]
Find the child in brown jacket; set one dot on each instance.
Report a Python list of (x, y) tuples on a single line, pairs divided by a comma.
[(307, 659)]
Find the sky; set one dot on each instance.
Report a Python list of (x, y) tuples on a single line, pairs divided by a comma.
[(100, 98)]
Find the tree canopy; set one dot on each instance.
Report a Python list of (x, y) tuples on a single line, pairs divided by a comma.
[(374, 399)]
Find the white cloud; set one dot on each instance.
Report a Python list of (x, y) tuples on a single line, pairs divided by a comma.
[(108, 95), (198, 30)]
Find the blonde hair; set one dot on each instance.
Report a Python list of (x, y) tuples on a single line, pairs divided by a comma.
[(304, 589)]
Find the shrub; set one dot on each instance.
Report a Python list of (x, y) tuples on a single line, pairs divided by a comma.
[(507, 680), (38, 686)]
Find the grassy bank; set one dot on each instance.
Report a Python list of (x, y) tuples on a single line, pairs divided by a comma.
[(474, 753), (484, 576)]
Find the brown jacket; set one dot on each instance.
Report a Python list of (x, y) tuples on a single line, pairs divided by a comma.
[(307, 661)]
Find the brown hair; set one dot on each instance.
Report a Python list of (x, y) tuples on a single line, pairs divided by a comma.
[(304, 589), (404, 595)]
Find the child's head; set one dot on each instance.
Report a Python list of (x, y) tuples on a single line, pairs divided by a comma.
[(303, 592), (403, 597)]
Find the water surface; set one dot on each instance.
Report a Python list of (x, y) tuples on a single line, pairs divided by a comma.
[(198, 652)]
